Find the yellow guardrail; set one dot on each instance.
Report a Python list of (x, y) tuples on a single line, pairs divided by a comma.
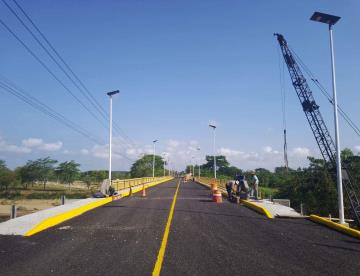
[(54, 220), (342, 228), (207, 180), (221, 184), (120, 184)]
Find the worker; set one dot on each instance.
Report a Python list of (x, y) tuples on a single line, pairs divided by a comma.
[(229, 187), (255, 185), (239, 178)]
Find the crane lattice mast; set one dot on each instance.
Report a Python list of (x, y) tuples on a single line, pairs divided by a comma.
[(316, 122)]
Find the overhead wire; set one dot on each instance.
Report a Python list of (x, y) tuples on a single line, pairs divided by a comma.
[(83, 89), (88, 96), (283, 106), (49, 71), (45, 109), (322, 89), (18, 92)]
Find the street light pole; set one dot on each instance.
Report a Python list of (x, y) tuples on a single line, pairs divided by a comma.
[(192, 163), (110, 94), (214, 128), (331, 20), (154, 158), (164, 155), (199, 163)]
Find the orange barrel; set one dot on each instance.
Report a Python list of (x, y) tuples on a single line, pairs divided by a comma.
[(217, 197), (214, 186)]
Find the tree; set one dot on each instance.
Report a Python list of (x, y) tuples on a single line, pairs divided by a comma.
[(231, 171), (144, 166), (264, 176), (88, 180), (221, 162), (68, 172), (7, 177), (38, 170), (313, 186)]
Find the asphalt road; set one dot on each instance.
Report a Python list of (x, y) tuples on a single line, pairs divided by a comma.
[(124, 237)]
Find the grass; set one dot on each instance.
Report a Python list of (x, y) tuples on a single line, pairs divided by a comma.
[(53, 191), (266, 192)]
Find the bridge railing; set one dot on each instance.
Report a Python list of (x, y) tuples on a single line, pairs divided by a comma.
[(119, 184), (207, 180)]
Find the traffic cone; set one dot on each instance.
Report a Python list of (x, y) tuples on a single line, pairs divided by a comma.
[(143, 194)]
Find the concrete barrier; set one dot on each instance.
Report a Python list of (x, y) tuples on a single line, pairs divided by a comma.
[(336, 226), (247, 203), (31, 224)]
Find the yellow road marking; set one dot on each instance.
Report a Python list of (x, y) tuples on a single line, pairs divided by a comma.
[(160, 257)]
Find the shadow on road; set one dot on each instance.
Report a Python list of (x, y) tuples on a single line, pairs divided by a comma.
[(337, 247), (223, 214)]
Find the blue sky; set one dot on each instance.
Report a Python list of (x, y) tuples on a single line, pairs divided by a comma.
[(178, 65)]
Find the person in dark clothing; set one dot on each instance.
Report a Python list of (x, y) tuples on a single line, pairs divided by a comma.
[(243, 187), (229, 187)]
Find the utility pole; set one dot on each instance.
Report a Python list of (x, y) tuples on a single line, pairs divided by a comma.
[(110, 94), (199, 162), (214, 128), (331, 20), (153, 174), (164, 156)]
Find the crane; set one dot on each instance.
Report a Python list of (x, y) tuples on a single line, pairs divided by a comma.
[(317, 124)]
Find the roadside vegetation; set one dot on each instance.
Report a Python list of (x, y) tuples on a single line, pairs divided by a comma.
[(46, 178), (313, 186)]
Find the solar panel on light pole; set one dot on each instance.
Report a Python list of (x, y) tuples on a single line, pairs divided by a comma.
[(331, 20)]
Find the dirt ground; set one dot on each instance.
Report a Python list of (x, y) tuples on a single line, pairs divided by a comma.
[(25, 206)]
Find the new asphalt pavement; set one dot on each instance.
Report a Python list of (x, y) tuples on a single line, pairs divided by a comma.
[(124, 238)]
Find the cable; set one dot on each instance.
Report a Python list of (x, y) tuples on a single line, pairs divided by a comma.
[(94, 103), (88, 94), (322, 89), (12, 89), (36, 104), (53, 59), (283, 105), (50, 72)]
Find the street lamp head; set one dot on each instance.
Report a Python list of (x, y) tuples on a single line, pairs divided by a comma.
[(198, 148), (113, 93), (213, 126), (155, 141), (325, 18)]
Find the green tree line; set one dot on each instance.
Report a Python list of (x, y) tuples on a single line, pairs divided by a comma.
[(313, 186), (43, 170)]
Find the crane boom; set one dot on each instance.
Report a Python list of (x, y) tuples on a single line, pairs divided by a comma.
[(316, 122)]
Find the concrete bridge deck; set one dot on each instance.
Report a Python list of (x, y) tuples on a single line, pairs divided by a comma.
[(124, 238)]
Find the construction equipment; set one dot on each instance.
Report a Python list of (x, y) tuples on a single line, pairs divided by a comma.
[(317, 124)]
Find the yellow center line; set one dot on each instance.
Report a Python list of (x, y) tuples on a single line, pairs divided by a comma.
[(160, 257)]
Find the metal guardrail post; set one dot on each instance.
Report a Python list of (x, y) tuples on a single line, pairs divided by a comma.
[(63, 200), (13, 211)]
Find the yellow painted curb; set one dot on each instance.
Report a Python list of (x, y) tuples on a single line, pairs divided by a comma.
[(52, 221), (249, 204), (342, 228), (49, 222), (257, 208)]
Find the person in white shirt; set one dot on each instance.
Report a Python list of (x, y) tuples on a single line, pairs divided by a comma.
[(255, 185)]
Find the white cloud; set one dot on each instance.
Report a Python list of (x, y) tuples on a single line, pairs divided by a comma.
[(84, 151), (267, 149), (229, 152), (51, 146), (37, 143), (32, 142), (5, 147), (357, 148), (301, 152)]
